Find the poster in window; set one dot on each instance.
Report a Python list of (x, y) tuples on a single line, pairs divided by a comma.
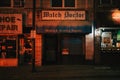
[(106, 37), (106, 40)]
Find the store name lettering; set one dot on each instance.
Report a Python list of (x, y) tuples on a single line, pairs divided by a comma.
[(47, 14), (7, 19), (8, 27), (62, 29), (63, 15), (67, 14), (8, 23)]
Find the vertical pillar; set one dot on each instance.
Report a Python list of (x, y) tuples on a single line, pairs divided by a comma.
[(33, 38)]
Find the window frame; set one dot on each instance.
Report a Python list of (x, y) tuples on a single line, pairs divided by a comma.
[(63, 5), (56, 6), (69, 5), (7, 6), (12, 5), (21, 3), (102, 3)]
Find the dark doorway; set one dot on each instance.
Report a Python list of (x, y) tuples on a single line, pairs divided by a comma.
[(63, 49), (50, 49), (75, 47)]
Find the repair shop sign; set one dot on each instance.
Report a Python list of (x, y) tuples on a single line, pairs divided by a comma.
[(11, 23)]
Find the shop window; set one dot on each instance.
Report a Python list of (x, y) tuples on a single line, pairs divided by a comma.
[(63, 3), (28, 51), (18, 3), (105, 2), (6, 3), (69, 3), (110, 39), (116, 3), (28, 44), (56, 3), (8, 47), (10, 3)]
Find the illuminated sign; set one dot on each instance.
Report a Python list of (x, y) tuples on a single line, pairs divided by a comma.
[(11, 23), (63, 15)]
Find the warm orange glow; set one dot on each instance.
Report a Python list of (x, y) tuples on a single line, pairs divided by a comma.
[(116, 16), (8, 62), (10, 23), (38, 50), (89, 47)]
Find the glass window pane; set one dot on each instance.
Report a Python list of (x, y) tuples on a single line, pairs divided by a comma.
[(69, 3), (106, 1), (6, 3), (18, 3), (56, 3), (116, 2)]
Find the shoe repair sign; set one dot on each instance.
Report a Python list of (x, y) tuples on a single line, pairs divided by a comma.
[(11, 23)]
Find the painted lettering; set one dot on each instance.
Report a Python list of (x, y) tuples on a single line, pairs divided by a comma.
[(8, 27), (63, 15), (49, 14), (7, 19), (74, 15)]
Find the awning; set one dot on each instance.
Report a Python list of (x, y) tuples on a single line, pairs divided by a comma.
[(64, 26), (64, 29)]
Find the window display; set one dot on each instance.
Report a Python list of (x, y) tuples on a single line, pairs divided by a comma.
[(110, 39), (8, 47)]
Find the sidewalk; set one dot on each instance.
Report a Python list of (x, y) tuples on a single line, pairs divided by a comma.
[(57, 72)]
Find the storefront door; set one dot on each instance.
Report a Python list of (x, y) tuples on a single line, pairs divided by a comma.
[(50, 49), (63, 49), (72, 49)]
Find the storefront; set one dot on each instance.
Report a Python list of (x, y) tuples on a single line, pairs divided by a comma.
[(63, 36), (109, 45), (10, 29), (107, 36), (63, 32), (63, 49)]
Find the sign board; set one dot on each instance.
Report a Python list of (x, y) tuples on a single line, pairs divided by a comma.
[(63, 15), (64, 29), (11, 23), (106, 39)]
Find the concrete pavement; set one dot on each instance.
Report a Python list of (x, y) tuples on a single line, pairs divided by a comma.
[(60, 72)]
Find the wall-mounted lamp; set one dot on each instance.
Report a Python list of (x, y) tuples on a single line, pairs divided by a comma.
[(116, 16)]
